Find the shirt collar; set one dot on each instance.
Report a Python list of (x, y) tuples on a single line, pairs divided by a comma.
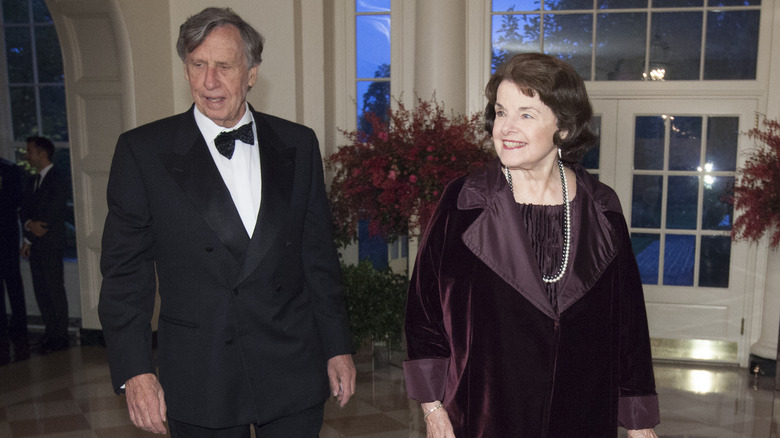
[(210, 130), (45, 170)]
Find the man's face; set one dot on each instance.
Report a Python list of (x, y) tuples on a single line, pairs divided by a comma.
[(35, 155), (218, 76)]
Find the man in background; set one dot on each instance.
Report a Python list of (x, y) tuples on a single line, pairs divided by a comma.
[(10, 276), (43, 221)]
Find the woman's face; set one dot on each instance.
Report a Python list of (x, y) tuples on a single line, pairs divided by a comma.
[(524, 128)]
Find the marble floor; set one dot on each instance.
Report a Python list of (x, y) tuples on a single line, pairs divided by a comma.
[(67, 394)]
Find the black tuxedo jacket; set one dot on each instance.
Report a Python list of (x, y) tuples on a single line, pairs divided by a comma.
[(246, 325), (47, 204), (10, 200)]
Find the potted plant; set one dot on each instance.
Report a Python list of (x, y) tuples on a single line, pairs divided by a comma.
[(757, 190), (375, 302), (394, 174)]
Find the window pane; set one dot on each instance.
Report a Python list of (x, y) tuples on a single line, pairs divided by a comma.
[(18, 49), (373, 44), (678, 260), (735, 2), (685, 143), (373, 97), (515, 5), (620, 47), (559, 5), (54, 120), (513, 34), (675, 45), (372, 5), (15, 11), (49, 55), (681, 202), (591, 159), (618, 4), (732, 45), (570, 37), (718, 211), (722, 136), (677, 3), (714, 261), (646, 201), (23, 112), (41, 12), (646, 251), (649, 143)]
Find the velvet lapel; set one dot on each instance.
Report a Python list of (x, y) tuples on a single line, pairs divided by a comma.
[(192, 167), (498, 238), (277, 163), (596, 244)]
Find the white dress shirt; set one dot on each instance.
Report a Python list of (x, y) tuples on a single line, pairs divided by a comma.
[(241, 173)]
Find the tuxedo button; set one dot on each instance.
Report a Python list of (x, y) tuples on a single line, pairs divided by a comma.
[(235, 292), (209, 249), (228, 341)]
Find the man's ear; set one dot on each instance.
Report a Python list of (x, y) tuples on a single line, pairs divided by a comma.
[(252, 76)]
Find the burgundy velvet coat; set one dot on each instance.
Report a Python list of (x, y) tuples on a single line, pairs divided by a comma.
[(484, 338)]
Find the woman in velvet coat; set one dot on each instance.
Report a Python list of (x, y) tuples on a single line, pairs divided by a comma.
[(525, 315)]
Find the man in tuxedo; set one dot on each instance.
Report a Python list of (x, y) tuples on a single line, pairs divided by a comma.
[(43, 221), (225, 208), (10, 276)]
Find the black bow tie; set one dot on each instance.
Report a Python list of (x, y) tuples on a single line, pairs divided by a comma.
[(226, 141)]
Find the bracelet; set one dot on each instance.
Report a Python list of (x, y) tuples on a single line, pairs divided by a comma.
[(432, 409)]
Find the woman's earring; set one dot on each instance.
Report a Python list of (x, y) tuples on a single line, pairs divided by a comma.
[(559, 153)]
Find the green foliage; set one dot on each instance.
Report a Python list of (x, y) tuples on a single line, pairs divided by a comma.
[(375, 302)]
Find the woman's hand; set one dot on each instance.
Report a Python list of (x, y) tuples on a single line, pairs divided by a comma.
[(437, 423), (642, 433)]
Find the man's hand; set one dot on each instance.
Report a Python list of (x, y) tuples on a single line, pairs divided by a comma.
[(24, 251), (341, 373), (38, 228), (146, 403)]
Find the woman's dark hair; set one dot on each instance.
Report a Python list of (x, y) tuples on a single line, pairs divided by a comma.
[(559, 87), (195, 30)]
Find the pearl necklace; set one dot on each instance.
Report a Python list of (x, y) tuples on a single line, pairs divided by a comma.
[(566, 223)]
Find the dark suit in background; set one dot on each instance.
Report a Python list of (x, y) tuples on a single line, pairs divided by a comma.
[(47, 204), (10, 276)]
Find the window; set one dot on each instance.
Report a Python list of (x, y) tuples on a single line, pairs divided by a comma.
[(36, 88), (36, 82), (615, 40), (684, 169), (372, 75)]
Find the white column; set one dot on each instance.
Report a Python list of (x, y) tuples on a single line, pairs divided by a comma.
[(440, 52), (766, 346)]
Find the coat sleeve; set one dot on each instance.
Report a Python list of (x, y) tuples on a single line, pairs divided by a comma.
[(50, 207), (321, 266), (127, 293), (428, 346), (638, 401)]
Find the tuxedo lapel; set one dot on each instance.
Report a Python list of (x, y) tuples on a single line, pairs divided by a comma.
[(192, 167), (277, 163)]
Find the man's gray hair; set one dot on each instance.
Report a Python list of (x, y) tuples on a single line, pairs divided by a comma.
[(195, 30)]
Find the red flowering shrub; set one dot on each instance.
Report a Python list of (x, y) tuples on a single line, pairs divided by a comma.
[(757, 191), (395, 175)]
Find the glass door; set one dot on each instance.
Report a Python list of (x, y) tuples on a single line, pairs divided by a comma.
[(675, 167)]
